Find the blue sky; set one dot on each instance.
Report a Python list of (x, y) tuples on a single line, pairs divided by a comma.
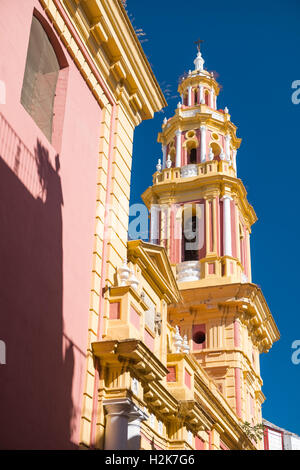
[(255, 50)]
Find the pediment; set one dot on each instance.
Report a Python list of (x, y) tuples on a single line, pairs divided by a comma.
[(156, 264)]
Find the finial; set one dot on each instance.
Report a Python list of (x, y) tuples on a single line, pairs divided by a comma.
[(124, 273), (165, 121), (185, 345), (211, 155), (169, 162), (226, 110), (198, 44), (199, 61), (177, 340)]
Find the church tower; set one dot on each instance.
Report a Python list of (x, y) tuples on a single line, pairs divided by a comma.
[(201, 215)]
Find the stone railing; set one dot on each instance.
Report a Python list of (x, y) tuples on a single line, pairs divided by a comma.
[(188, 171), (188, 271), (193, 170)]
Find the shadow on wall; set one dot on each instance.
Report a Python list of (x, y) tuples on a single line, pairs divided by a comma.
[(36, 408)]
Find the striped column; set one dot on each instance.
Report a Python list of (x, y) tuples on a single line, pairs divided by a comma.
[(154, 223), (227, 226), (164, 152), (201, 97), (203, 143), (178, 149), (189, 96), (227, 147), (212, 99)]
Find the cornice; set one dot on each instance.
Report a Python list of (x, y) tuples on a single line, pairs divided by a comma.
[(140, 252), (200, 185), (135, 352), (194, 79), (190, 117), (101, 41)]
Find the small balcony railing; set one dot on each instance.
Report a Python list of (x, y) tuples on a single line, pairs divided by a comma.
[(194, 170), (188, 271)]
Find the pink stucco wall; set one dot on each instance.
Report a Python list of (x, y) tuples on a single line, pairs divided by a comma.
[(47, 210)]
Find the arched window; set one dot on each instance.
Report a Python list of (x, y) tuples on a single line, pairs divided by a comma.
[(190, 250), (192, 156), (195, 96), (206, 97), (41, 77), (191, 145)]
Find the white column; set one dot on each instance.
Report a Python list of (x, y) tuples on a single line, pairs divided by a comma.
[(227, 147), (201, 94), (154, 223), (203, 143), (212, 99), (164, 152), (116, 428), (123, 424), (248, 255), (134, 429), (227, 226), (189, 96), (178, 149)]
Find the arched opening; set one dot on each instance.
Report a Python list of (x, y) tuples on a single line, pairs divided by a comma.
[(195, 96), (191, 145), (192, 158), (40, 94), (190, 242), (206, 97)]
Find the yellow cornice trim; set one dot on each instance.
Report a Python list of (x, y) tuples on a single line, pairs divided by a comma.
[(174, 189)]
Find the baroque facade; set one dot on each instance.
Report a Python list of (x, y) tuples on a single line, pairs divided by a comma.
[(116, 344)]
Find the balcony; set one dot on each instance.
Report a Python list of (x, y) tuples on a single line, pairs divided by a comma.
[(213, 167)]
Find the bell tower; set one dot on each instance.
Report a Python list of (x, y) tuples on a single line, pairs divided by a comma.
[(200, 214)]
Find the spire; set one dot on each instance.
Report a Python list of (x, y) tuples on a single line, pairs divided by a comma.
[(199, 61)]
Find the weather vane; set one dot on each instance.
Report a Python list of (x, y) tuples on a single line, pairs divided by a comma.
[(198, 44)]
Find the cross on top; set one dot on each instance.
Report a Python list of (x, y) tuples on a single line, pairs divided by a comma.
[(198, 44)]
